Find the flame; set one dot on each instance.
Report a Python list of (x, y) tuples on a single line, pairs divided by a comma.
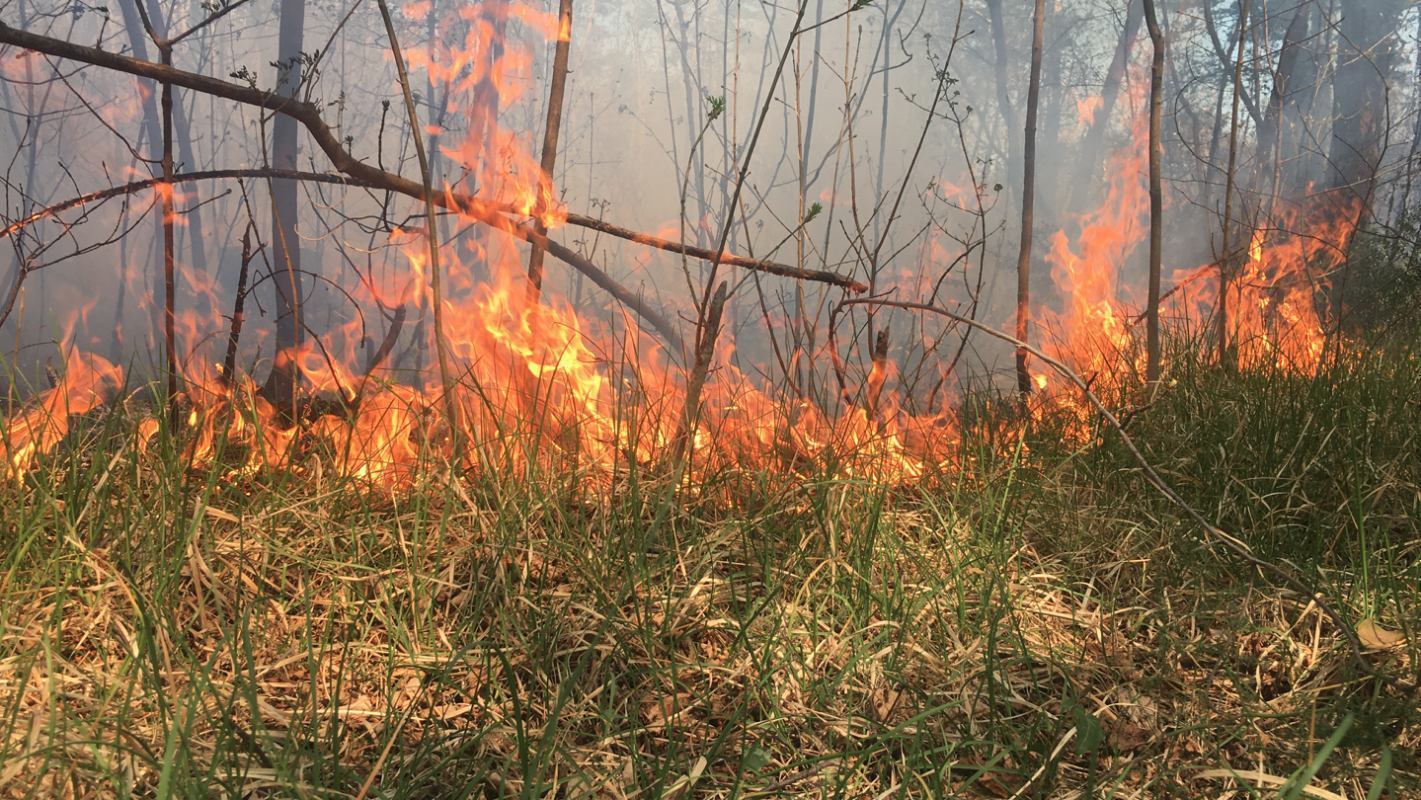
[(537, 385), (1087, 108), (89, 380)]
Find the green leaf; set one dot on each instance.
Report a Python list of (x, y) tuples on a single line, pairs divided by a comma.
[(1089, 733), (756, 758)]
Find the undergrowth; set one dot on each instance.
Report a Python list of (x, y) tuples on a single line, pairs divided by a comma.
[(1028, 621)]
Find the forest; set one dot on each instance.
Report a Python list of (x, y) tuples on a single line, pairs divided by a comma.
[(710, 398)]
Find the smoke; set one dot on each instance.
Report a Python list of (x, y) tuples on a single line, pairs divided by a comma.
[(852, 170)]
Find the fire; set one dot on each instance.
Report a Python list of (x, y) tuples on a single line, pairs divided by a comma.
[(1093, 332), (1087, 108), (1277, 304), (539, 384), (89, 380)]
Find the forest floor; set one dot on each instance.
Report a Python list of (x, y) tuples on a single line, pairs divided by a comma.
[(1033, 622)]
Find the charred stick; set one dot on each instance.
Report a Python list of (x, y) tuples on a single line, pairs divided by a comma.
[(550, 139), (397, 324), (879, 374), (458, 203), (229, 364)]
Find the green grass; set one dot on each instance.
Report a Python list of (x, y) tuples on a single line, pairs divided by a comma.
[(1039, 625)]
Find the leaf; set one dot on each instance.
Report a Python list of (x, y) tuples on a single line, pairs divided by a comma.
[(1375, 637), (1089, 733), (756, 758)]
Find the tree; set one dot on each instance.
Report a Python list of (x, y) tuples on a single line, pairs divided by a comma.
[(1152, 331), (1364, 62), (286, 246), (1028, 198)]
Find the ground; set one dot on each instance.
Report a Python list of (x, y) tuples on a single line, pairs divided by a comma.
[(1030, 620)]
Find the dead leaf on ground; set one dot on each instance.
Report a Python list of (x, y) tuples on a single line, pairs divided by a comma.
[(1374, 637)]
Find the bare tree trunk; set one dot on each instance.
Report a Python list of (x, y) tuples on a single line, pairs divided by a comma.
[(1152, 327), (550, 137), (1004, 104), (1268, 164), (138, 39), (286, 247), (1028, 200), (170, 345), (1226, 259), (1364, 60), (168, 222)]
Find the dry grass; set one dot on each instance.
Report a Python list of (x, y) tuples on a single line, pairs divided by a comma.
[(1037, 628)]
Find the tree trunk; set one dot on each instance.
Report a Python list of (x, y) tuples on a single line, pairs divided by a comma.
[(1004, 104), (1152, 327), (1364, 57), (286, 246), (1028, 200), (1227, 257), (1268, 164), (1090, 148)]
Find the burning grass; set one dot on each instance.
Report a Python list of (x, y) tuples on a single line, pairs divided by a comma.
[(1036, 625)]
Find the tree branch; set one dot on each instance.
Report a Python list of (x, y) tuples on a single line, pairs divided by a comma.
[(453, 202), (310, 117)]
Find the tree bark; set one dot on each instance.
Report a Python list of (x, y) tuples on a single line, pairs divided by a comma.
[(1004, 104), (286, 247), (1028, 200), (1152, 322), (1090, 148), (1269, 161), (1364, 60), (1227, 258)]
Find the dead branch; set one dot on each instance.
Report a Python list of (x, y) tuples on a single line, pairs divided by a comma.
[(451, 201), (309, 116), (239, 301), (551, 129)]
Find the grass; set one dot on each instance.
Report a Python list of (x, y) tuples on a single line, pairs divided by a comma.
[(1039, 625)]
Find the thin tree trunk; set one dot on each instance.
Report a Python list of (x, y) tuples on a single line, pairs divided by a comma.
[(1270, 131), (431, 236), (1364, 61), (1152, 325), (1004, 104), (168, 222), (182, 133), (550, 138), (1226, 259), (1028, 199), (286, 247), (170, 346)]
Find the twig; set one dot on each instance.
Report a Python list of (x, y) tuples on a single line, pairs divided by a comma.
[(700, 370), (373, 177), (397, 324), (458, 203), (309, 115), (239, 301)]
